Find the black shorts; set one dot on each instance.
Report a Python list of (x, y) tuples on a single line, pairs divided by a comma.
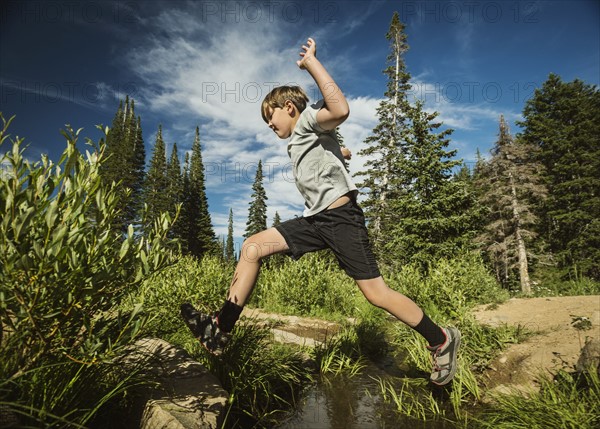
[(342, 230)]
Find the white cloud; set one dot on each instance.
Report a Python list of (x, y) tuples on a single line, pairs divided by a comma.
[(456, 109), (201, 70)]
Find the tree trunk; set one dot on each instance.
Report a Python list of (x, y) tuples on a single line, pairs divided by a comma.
[(522, 252)]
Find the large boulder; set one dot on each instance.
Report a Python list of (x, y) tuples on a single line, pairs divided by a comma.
[(189, 398)]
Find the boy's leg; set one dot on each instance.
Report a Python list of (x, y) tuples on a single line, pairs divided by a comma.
[(443, 342), (212, 330), (261, 245), (398, 305)]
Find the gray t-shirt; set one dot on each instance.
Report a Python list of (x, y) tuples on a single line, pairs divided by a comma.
[(318, 163)]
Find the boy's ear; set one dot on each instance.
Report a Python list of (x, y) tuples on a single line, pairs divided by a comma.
[(289, 107)]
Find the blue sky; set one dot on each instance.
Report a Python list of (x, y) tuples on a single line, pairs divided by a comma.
[(210, 63)]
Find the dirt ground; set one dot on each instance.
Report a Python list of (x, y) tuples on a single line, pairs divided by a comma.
[(556, 342)]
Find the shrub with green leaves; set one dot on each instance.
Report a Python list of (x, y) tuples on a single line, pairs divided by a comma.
[(64, 270)]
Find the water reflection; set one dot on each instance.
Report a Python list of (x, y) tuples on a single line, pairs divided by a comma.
[(351, 403)]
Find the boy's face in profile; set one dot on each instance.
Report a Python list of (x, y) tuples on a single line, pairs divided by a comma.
[(282, 120)]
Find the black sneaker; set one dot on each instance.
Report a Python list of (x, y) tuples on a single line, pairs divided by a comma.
[(444, 357), (205, 328)]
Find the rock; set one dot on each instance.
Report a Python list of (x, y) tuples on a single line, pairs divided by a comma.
[(590, 356), (189, 398), (8, 418)]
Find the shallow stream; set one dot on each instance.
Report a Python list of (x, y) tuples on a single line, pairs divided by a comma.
[(343, 402)]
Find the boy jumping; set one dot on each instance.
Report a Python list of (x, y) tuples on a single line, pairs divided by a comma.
[(332, 219)]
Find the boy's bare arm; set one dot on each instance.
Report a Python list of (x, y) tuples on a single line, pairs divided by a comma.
[(336, 108)]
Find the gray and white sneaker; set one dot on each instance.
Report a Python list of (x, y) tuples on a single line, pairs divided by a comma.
[(444, 358), (205, 328)]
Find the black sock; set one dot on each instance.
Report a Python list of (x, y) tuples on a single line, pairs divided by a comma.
[(432, 332), (228, 315)]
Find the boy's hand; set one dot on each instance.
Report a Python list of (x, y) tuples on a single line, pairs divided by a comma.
[(346, 153), (309, 53)]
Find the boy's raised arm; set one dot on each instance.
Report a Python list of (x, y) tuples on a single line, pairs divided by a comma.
[(336, 108)]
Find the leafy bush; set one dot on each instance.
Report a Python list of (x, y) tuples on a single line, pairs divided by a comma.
[(63, 271), (554, 282)]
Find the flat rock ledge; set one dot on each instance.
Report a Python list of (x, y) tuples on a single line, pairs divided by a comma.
[(189, 396)]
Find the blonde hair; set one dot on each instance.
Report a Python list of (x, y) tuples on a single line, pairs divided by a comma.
[(278, 96)]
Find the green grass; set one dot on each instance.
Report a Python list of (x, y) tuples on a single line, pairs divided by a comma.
[(554, 282), (570, 401), (264, 379)]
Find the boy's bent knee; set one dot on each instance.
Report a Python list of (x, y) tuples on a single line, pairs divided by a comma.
[(251, 249), (261, 245), (375, 291)]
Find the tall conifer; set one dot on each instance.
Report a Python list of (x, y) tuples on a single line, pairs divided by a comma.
[(187, 206), (174, 189), (125, 162), (257, 213), (229, 245), (510, 186), (156, 184), (384, 147), (201, 236), (416, 212), (432, 215), (562, 119)]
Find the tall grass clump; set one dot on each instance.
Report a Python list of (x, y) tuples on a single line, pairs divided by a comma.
[(569, 401), (411, 398), (204, 283), (264, 379), (348, 350), (312, 286), (448, 292), (64, 270)]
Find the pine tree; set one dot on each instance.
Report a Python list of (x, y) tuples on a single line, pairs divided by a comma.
[(229, 246), (125, 164), (277, 260), (201, 236), (156, 183), (113, 167), (511, 185), (416, 211), (187, 214), (385, 144), (433, 216), (276, 219), (174, 190), (138, 169), (340, 139), (563, 121), (257, 213)]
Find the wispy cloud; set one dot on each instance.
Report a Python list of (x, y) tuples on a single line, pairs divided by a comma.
[(92, 95)]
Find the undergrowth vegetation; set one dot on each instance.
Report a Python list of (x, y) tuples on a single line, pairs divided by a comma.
[(568, 401), (64, 270), (76, 293)]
